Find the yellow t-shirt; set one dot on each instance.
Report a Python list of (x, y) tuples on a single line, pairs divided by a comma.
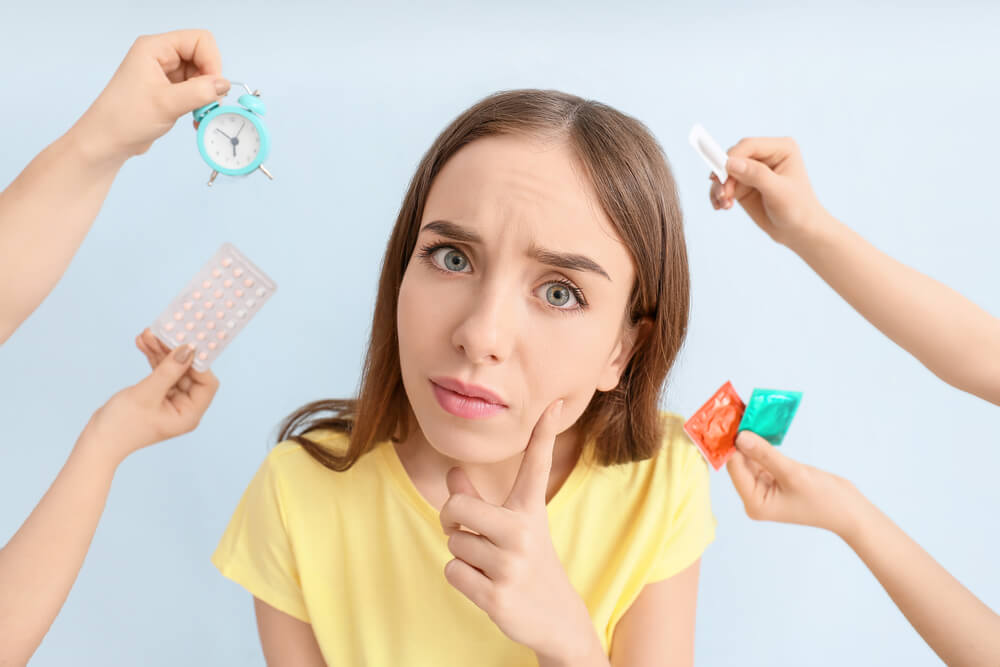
[(360, 554)]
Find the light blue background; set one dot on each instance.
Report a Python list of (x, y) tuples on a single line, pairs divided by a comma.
[(895, 108)]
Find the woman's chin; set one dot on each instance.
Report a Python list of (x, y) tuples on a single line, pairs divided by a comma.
[(469, 447)]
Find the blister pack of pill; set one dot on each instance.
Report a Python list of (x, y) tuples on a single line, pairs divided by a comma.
[(215, 306)]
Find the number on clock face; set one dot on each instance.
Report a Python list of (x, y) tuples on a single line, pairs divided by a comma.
[(232, 141)]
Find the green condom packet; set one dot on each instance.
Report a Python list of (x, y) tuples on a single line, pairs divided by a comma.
[(770, 412)]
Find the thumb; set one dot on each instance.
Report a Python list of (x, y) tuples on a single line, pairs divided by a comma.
[(753, 173), (762, 452), (459, 482), (195, 92), (169, 371)]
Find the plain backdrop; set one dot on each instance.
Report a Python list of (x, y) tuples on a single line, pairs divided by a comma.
[(894, 106)]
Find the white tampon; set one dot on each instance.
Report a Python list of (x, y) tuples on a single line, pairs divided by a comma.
[(710, 152)]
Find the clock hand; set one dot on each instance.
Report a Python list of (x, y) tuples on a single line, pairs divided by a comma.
[(241, 128), (223, 134)]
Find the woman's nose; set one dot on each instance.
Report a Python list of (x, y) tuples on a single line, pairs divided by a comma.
[(485, 333)]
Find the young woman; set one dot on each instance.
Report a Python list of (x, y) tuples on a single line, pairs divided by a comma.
[(504, 489)]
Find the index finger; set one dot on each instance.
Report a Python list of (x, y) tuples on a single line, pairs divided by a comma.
[(769, 150), (533, 475), (194, 46)]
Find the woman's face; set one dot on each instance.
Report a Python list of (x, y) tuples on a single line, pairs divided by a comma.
[(518, 286)]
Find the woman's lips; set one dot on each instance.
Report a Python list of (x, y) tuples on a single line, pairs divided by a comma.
[(461, 405)]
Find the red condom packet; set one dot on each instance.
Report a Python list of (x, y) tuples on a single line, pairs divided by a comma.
[(714, 427)]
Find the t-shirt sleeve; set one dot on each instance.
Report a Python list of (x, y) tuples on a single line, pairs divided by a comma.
[(256, 551), (691, 526)]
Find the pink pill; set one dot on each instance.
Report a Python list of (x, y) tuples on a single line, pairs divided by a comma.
[(208, 305), (216, 273), (210, 325), (221, 335), (238, 293), (248, 282), (199, 315), (200, 335), (169, 326), (227, 262), (218, 294), (219, 314), (229, 304), (189, 326), (212, 345), (196, 295), (206, 284), (237, 272), (203, 356), (178, 316), (227, 283), (180, 336), (187, 305)]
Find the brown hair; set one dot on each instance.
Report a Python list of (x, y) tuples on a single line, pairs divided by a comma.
[(636, 189)]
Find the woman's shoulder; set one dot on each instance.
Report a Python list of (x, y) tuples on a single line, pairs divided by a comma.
[(290, 459), (676, 448), (675, 463)]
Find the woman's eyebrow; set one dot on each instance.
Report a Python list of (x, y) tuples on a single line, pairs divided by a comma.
[(450, 230), (569, 261)]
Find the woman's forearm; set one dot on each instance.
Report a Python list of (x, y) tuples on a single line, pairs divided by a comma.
[(954, 338), (40, 563), (44, 216), (955, 623)]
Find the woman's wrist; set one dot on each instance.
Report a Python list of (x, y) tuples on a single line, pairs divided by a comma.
[(90, 147), (98, 449), (813, 235), (582, 652), (854, 512)]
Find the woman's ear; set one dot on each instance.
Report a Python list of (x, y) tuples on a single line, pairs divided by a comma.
[(632, 337)]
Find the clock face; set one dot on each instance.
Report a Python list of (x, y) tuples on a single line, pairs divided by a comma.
[(231, 141)]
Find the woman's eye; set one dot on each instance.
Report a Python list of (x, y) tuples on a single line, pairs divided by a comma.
[(450, 259), (559, 295)]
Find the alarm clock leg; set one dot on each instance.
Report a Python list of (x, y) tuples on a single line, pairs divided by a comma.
[(266, 172), (211, 178)]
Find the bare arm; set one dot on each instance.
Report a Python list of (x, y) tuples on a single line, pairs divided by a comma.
[(286, 641), (40, 563), (955, 339), (955, 623), (658, 629), (46, 212), (42, 560), (44, 216)]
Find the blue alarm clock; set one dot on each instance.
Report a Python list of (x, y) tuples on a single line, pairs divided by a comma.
[(233, 139)]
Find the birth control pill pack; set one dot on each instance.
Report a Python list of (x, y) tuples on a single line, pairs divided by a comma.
[(215, 306)]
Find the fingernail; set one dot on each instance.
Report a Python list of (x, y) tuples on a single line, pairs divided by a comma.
[(221, 86), (557, 410), (736, 164), (183, 353)]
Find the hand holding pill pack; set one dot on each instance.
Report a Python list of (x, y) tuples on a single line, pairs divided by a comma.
[(716, 424), (215, 306)]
